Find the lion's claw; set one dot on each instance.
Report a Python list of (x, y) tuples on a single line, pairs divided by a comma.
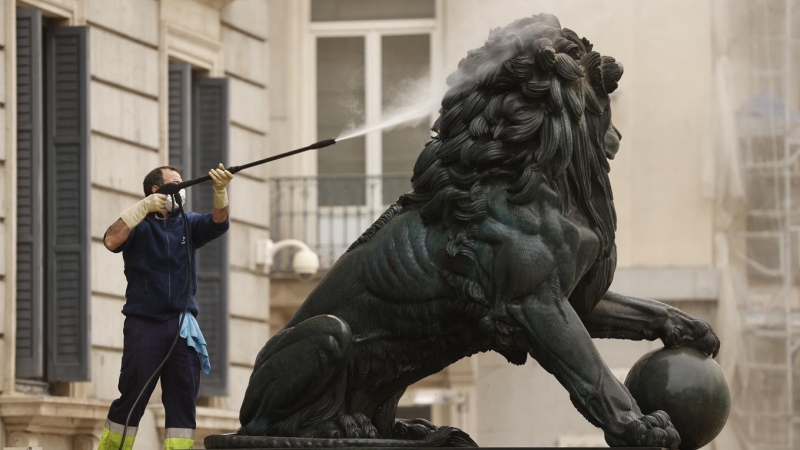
[(652, 430), (413, 429), (693, 333)]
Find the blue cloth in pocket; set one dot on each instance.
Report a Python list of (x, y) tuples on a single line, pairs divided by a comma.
[(190, 330)]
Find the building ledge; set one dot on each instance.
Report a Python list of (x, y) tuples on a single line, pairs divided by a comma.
[(43, 414), (216, 4), (667, 284)]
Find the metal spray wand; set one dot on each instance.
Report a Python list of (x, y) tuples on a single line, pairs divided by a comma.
[(174, 188)]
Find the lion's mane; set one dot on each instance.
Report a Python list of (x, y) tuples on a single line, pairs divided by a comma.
[(530, 106)]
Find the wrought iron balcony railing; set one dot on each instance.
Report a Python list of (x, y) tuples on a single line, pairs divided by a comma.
[(329, 212)]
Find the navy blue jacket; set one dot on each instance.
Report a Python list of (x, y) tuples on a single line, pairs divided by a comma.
[(156, 265)]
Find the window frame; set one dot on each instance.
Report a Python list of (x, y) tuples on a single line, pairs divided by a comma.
[(61, 302), (372, 31)]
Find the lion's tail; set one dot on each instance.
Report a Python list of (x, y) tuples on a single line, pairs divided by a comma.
[(387, 216), (442, 437)]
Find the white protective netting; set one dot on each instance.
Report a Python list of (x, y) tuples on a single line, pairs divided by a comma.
[(752, 172)]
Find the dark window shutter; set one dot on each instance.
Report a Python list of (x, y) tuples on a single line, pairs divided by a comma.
[(29, 357), (210, 125), (180, 125), (67, 200)]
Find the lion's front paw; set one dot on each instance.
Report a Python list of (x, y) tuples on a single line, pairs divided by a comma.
[(413, 429), (693, 333), (345, 426), (652, 430)]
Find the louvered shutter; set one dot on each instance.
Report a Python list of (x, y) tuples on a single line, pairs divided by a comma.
[(29, 358), (180, 125), (67, 193), (210, 125)]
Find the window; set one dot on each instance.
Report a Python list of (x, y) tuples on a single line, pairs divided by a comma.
[(368, 64), (53, 238), (361, 64), (405, 64), (198, 141), (341, 103)]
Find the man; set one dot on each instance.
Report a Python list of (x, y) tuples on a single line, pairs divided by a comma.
[(150, 234)]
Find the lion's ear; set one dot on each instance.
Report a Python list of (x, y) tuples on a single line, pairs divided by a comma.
[(587, 45)]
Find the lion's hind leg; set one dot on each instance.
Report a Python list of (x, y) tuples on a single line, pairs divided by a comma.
[(298, 384), (561, 344)]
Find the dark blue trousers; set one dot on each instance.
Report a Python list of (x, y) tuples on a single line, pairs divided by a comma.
[(146, 345)]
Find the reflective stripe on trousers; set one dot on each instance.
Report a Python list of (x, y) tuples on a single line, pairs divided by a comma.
[(179, 439), (112, 436)]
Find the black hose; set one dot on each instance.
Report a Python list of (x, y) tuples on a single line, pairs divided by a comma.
[(176, 198)]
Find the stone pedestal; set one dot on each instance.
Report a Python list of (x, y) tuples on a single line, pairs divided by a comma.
[(44, 421), (483, 448), (234, 442)]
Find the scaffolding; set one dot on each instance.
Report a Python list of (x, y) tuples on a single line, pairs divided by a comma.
[(766, 247)]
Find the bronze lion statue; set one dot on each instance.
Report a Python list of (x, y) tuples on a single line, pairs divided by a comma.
[(505, 244)]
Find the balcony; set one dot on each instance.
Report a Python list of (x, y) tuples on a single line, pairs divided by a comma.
[(328, 212)]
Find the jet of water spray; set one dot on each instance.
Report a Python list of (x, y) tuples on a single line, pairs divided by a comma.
[(400, 117)]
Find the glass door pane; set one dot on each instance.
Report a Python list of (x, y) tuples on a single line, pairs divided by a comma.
[(340, 105), (406, 67)]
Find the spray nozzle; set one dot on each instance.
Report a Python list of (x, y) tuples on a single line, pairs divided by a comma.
[(322, 144)]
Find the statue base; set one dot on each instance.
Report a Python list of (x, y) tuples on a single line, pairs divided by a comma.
[(442, 437), (236, 442), (432, 448)]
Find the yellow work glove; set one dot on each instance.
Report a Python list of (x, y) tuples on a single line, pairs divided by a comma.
[(135, 214), (221, 179)]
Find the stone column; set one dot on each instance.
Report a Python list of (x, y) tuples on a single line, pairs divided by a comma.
[(24, 440)]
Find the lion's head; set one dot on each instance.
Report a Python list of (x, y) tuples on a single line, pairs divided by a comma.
[(531, 106)]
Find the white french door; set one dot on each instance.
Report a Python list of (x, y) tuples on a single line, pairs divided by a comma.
[(365, 71)]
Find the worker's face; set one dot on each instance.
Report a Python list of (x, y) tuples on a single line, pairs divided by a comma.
[(168, 176)]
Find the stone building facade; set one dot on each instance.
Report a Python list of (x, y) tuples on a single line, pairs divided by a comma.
[(121, 86)]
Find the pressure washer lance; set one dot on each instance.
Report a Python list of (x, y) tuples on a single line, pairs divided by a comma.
[(173, 189)]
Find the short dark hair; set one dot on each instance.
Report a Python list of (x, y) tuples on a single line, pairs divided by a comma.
[(156, 178)]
